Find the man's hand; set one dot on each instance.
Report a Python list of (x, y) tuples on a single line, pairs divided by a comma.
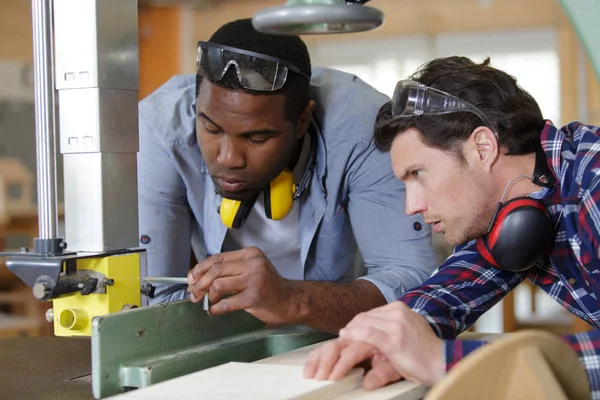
[(334, 359), (402, 337), (243, 280)]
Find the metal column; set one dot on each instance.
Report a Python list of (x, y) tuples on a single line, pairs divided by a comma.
[(45, 128), (97, 79)]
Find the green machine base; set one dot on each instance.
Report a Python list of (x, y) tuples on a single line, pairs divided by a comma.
[(140, 347)]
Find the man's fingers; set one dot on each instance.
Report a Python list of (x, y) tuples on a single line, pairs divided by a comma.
[(227, 285), (379, 358), (376, 337), (368, 322), (314, 357), (328, 358), (236, 302), (216, 271), (349, 357), (382, 373), (312, 362), (204, 266)]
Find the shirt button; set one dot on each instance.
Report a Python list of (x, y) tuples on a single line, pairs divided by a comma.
[(572, 281)]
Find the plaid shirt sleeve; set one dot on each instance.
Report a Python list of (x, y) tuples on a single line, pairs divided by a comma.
[(464, 287), (583, 182), (586, 345)]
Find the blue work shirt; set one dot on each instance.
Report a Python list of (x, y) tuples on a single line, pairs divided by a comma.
[(353, 201)]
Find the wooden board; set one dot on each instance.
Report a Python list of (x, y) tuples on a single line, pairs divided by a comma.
[(248, 381), (402, 390)]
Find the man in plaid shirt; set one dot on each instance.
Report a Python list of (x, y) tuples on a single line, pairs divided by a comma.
[(463, 136)]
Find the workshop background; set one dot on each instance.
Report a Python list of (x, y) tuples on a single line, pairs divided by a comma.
[(532, 40)]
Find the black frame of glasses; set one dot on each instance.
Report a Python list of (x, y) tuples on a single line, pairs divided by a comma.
[(286, 64)]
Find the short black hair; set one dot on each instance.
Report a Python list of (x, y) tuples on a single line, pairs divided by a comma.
[(512, 111), (242, 35)]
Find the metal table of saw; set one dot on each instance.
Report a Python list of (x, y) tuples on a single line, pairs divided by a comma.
[(49, 368)]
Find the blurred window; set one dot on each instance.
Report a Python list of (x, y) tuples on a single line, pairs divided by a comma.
[(530, 56)]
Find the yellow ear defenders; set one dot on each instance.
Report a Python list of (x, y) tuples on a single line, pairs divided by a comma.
[(279, 196), (279, 200)]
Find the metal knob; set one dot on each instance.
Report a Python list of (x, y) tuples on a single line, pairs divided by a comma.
[(50, 315), (41, 291)]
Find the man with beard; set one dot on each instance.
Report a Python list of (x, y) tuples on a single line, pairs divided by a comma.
[(516, 195)]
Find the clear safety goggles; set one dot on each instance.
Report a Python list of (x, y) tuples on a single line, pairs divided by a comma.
[(414, 99), (255, 71)]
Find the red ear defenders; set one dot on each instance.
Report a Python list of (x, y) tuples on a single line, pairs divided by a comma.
[(521, 231)]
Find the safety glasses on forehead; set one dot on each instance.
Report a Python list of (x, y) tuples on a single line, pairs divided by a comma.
[(414, 99), (255, 71)]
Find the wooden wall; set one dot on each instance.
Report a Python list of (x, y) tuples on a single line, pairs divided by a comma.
[(168, 35), (15, 30), (159, 38)]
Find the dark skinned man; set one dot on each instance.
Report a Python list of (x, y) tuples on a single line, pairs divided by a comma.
[(266, 168)]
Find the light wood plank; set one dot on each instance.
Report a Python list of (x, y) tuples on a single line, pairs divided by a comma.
[(249, 381)]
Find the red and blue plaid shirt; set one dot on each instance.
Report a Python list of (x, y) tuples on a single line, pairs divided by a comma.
[(465, 285)]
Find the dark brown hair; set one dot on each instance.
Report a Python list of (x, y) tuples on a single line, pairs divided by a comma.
[(513, 112)]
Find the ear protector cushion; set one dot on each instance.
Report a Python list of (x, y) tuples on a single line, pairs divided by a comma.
[(234, 212), (279, 196), (279, 200), (522, 232)]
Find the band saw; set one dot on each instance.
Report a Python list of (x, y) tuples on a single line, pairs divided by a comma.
[(86, 79), (108, 340)]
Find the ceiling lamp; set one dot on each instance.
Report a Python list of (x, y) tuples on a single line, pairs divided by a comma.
[(312, 17)]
